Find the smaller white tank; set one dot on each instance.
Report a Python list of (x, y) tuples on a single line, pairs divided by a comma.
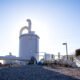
[(48, 57), (8, 59)]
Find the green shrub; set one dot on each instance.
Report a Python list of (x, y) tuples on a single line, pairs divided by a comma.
[(32, 60)]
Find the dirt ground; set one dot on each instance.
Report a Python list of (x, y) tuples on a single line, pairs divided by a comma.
[(74, 72)]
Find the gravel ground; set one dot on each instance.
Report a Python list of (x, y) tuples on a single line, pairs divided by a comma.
[(32, 72)]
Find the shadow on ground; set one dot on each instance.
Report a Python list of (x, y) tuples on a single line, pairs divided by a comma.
[(31, 72)]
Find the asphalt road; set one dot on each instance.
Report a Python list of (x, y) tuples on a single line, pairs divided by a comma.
[(31, 72)]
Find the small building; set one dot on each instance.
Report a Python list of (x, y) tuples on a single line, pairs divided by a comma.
[(70, 58), (9, 59)]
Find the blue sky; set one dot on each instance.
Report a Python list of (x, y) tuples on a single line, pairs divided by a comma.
[(55, 21)]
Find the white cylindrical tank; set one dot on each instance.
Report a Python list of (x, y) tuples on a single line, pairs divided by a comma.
[(28, 45), (48, 57)]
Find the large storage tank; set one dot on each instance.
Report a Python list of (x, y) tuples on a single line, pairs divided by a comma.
[(29, 43)]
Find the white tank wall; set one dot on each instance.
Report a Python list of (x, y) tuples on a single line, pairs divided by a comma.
[(29, 46), (48, 57)]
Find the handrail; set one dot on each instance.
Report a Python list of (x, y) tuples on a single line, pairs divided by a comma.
[(25, 27)]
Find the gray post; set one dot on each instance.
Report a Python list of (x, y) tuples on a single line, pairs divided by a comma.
[(66, 49)]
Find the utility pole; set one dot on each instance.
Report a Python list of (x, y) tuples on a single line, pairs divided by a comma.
[(66, 49)]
